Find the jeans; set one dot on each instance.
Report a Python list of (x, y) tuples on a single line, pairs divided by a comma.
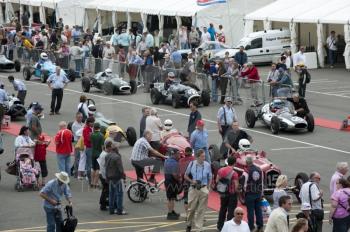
[(88, 166), (56, 94), (116, 196), (223, 87), (98, 65), (78, 65), (184, 45), (341, 224), (331, 56), (214, 93), (53, 220), (63, 161), (228, 203), (21, 95), (252, 201), (104, 193), (254, 88), (76, 162)]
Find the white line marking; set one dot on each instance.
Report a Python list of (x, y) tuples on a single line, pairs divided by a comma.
[(111, 103), (332, 95), (162, 115), (207, 120), (291, 148), (339, 92), (322, 82)]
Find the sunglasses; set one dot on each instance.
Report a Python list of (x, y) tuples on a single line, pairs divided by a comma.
[(240, 214)]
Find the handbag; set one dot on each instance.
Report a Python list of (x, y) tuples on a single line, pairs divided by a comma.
[(318, 214), (70, 223), (80, 144), (222, 187), (12, 168)]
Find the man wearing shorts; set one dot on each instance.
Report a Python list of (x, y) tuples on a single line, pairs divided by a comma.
[(97, 141)]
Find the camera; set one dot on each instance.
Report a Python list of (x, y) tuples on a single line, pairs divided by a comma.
[(198, 184)]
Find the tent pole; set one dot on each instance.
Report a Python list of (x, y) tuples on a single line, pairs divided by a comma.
[(229, 25)]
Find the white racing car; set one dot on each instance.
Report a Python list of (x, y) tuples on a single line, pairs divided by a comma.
[(279, 115)]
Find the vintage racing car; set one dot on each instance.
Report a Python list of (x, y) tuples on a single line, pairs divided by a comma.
[(6, 64), (174, 140), (178, 94), (109, 83), (14, 107), (46, 69), (279, 117)]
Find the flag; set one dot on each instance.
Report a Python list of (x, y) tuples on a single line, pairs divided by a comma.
[(209, 2)]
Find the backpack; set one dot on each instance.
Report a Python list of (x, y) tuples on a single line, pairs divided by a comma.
[(81, 110), (70, 223), (222, 187)]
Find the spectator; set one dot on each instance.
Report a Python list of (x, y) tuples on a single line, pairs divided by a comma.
[(102, 163), (20, 87), (87, 148), (77, 128), (97, 141), (77, 54), (222, 80), (251, 73), (76, 34), (176, 58), (215, 81), (40, 156), (59, 24), (301, 226), (237, 224), (83, 107), (332, 48), (279, 218), (63, 141), (183, 164), (149, 40), (115, 176), (228, 201), (23, 140), (97, 53), (226, 116), (272, 77), (312, 194), (52, 193), (154, 124), (114, 38), (198, 173), (34, 122), (64, 39), (141, 47), (57, 82), (195, 115), (299, 58), (303, 80), (172, 182), (281, 184), (145, 114), (199, 139), (342, 170), (108, 55), (122, 61), (211, 31), (199, 32), (86, 56), (183, 38), (220, 35), (193, 38), (158, 40), (124, 41), (241, 57), (253, 192), (206, 36), (282, 63), (148, 70), (339, 214), (68, 33), (63, 55), (284, 83)]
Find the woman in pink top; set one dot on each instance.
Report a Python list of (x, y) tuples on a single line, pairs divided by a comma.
[(340, 208)]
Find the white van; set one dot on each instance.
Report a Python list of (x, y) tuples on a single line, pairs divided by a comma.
[(261, 46)]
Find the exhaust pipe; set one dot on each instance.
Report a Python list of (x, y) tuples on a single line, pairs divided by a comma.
[(124, 88)]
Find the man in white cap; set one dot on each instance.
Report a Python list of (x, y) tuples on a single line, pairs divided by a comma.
[(108, 54), (52, 194)]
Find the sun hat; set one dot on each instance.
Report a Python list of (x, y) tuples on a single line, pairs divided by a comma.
[(63, 177)]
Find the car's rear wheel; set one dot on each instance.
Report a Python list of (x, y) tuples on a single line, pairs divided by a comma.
[(310, 122), (133, 86), (275, 125), (107, 88), (131, 136), (300, 179), (250, 118), (176, 100), (156, 96), (205, 98), (44, 75), (17, 66), (27, 73), (85, 84)]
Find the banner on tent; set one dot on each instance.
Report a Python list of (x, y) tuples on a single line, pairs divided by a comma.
[(209, 2)]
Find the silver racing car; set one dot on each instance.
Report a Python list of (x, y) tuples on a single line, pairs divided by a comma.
[(279, 115)]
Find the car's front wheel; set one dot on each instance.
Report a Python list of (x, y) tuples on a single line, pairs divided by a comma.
[(17, 66), (310, 122), (250, 118), (176, 100), (44, 75), (85, 84), (275, 125), (27, 73), (156, 96)]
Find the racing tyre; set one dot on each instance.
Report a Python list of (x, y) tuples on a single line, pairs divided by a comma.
[(71, 75), (17, 66), (133, 86), (131, 136), (300, 179), (107, 88), (176, 100), (310, 122), (44, 75), (275, 125), (137, 192), (85, 84), (250, 118), (214, 153), (27, 73), (156, 96), (205, 98)]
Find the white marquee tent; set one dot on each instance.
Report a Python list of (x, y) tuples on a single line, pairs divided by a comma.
[(318, 12)]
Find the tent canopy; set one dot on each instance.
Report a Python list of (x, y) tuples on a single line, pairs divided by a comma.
[(184, 8), (310, 11)]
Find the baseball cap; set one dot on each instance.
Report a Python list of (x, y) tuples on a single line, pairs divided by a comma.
[(200, 123), (171, 74)]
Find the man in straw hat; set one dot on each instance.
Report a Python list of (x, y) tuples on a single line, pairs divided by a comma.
[(52, 193)]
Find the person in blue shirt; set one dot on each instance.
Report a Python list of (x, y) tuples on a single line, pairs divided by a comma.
[(226, 116), (241, 57), (199, 175), (20, 87), (212, 32), (176, 58), (124, 40), (57, 82), (52, 194), (199, 139)]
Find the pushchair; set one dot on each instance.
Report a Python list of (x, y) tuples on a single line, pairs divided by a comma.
[(27, 171)]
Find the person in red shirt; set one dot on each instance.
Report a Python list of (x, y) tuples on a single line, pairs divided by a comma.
[(228, 201), (64, 148), (183, 163), (250, 72), (87, 145), (40, 156)]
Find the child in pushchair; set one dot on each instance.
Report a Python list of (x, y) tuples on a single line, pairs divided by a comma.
[(27, 170)]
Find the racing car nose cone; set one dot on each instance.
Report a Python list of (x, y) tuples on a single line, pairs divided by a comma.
[(125, 88)]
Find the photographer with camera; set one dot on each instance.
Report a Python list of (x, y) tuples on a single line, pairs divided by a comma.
[(198, 174)]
